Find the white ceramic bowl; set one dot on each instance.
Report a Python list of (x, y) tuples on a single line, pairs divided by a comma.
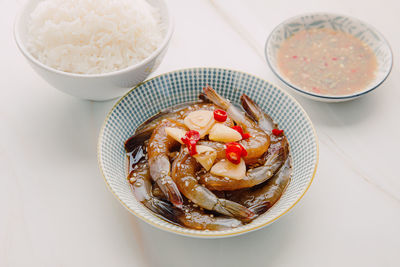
[(184, 85), (347, 24), (94, 86)]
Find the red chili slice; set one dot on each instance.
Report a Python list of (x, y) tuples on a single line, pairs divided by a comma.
[(220, 115), (240, 130), (246, 136), (244, 151), (190, 140), (234, 151), (192, 147), (277, 132), (193, 135)]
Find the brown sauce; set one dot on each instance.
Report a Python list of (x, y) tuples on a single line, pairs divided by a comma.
[(259, 198)]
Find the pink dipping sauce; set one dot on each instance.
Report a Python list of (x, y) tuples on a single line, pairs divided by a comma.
[(327, 62)]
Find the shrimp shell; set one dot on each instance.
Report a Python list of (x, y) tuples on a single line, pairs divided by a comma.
[(183, 172), (274, 159), (158, 148), (259, 141), (261, 199), (196, 219)]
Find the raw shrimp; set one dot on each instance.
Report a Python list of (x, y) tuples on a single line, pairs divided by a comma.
[(140, 179), (273, 159), (279, 144), (159, 147), (259, 141), (233, 202), (261, 199), (189, 216), (256, 113), (183, 173), (193, 217)]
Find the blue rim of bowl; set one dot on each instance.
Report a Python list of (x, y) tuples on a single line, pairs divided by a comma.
[(204, 234), (164, 44), (324, 96)]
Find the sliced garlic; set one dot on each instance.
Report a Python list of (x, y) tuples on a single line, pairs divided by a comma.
[(205, 156), (222, 133), (200, 120), (225, 168), (175, 133)]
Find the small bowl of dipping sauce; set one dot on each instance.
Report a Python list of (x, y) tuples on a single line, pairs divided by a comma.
[(328, 57)]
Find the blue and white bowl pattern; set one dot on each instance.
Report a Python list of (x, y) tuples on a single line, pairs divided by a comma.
[(184, 85), (359, 29)]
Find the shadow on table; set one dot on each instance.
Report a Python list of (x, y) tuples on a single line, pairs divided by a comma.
[(341, 113), (261, 246), (77, 126)]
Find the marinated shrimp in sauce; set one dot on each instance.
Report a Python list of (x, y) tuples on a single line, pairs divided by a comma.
[(209, 165)]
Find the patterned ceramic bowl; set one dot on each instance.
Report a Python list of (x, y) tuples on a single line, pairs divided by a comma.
[(180, 86), (347, 24)]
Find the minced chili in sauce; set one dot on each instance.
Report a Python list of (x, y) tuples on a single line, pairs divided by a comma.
[(328, 62)]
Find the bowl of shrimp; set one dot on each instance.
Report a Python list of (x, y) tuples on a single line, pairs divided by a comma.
[(208, 152)]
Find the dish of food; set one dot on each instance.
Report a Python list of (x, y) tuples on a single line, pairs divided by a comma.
[(177, 89), (88, 49), (326, 61), (328, 57), (86, 37), (207, 165)]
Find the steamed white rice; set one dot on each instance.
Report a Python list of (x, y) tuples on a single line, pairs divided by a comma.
[(93, 36)]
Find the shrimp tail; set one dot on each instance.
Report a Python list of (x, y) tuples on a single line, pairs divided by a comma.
[(174, 195), (257, 114), (234, 209), (136, 140), (214, 97), (252, 109), (222, 223), (204, 98), (260, 208), (202, 221), (159, 170), (160, 207)]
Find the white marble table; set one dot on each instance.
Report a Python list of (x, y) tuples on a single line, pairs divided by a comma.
[(55, 209)]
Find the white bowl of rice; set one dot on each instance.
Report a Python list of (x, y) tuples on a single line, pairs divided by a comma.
[(94, 49)]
